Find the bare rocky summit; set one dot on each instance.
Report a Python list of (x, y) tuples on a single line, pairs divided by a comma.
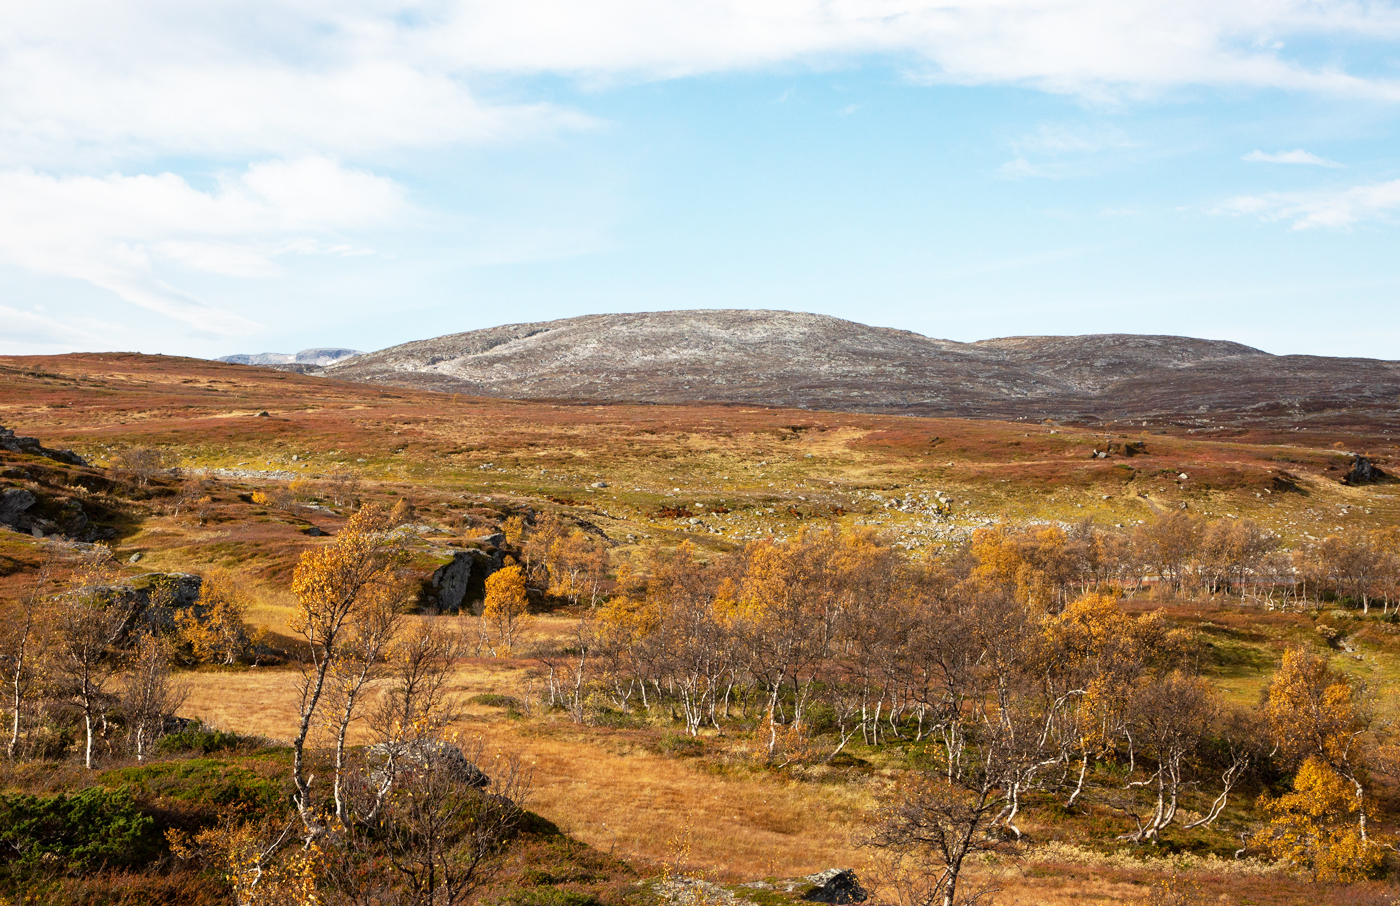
[(814, 361)]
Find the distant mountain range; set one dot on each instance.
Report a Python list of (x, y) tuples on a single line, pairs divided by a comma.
[(319, 357), (778, 358)]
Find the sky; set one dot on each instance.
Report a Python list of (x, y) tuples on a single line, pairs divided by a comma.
[(219, 177)]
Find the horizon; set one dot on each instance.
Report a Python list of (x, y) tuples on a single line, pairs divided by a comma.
[(272, 175), (780, 311), (268, 351)]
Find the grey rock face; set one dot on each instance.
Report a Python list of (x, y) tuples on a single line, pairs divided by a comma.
[(451, 581), (150, 599), (460, 583)]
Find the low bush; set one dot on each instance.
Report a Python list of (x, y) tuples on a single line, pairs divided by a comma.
[(681, 745), (200, 739), (92, 829), (496, 700), (549, 896), (206, 784)]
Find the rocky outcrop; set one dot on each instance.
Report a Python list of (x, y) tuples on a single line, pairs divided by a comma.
[(450, 582), (835, 885), (1362, 471), (149, 601), (30, 445), (461, 582), (24, 511)]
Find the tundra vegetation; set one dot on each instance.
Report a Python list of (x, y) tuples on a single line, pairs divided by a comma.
[(1019, 672)]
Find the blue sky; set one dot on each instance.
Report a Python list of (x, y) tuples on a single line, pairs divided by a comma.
[(244, 177)]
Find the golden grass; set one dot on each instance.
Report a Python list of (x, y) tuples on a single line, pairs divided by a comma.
[(605, 788)]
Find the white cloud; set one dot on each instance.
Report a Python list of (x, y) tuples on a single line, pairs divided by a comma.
[(1308, 210), (1074, 46), (84, 82), (119, 232), (93, 83), (1289, 157)]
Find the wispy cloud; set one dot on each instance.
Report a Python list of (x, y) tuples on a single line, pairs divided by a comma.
[(120, 232), (1066, 138), (34, 331), (1059, 150), (1326, 209), (1290, 157)]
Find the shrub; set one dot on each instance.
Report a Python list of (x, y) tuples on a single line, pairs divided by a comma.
[(198, 738), (681, 746), (548, 896), (496, 700), (205, 783), (92, 829)]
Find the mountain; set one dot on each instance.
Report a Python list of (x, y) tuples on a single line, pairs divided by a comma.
[(819, 362), (320, 356)]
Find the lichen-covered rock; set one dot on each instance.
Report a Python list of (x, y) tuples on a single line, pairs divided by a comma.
[(450, 581), (150, 599), (433, 754)]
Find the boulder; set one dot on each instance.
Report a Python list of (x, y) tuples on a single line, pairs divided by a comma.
[(13, 503), (450, 582), (835, 885), (138, 597), (435, 755), (461, 583), (1362, 471)]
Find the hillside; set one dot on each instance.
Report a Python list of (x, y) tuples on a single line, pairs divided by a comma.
[(818, 362)]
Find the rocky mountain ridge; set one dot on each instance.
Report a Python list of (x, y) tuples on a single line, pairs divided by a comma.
[(812, 361), (320, 356)]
